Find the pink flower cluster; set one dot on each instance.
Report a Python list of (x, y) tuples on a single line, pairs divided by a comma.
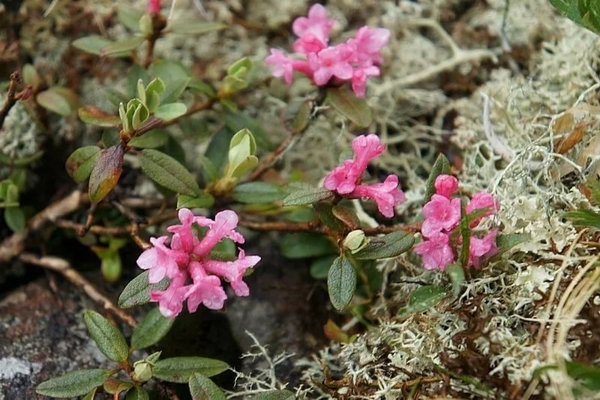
[(193, 275), (346, 178), (442, 217), (353, 61)]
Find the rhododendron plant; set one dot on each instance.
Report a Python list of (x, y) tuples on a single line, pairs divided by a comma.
[(193, 275), (346, 178), (442, 219), (353, 61)]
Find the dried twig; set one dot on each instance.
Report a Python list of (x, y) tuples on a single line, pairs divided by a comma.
[(64, 268)]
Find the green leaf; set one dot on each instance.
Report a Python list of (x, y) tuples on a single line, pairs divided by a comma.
[(21, 162), (80, 163), (440, 167), (95, 116), (15, 219), (390, 245), (137, 292), (115, 386), (128, 17), (60, 100), (584, 218), (355, 109), (347, 215), (587, 374), (111, 265), (423, 299), (171, 72), (137, 393), (110, 138), (202, 388), (91, 44), (150, 140), (135, 73), (200, 86), (174, 90), (275, 395), (180, 369), (73, 384), (341, 283), (258, 193), (122, 46), (90, 395), (105, 173), (153, 327), (195, 27), (218, 148), (204, 200), (507, 242), (304, 197), (319, 268), (109, 339), (325, 214), (31, 76), (168, 172), (151, 93), (457, 276), (237, 121), (169, 111), (305, 244)]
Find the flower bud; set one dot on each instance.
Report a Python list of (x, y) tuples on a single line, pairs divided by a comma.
[(355, 241), (142, 371)]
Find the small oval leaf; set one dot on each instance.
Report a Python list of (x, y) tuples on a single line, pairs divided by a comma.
[(168, 172), (341, 283), (122, 46), (258, 192), (137, 393), (106, 172), (422, 299), (73, 384), (355, 109), (95, 116), (151, 329), (150, 140), (440, 167), (80, 163), (109, 339), (137, 292), (305, 197), (180, 369), (205, 200), (275, 395), (15, 219), (57, 99), (169, 111), (91, 44), (202, 388), (390, 245), (305, 244)]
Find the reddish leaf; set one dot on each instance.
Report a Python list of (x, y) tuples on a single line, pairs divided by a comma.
[(106, 173), (95, 116)]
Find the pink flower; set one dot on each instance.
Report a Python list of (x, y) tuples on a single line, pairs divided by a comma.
[(480, 248), (386, 195), (446, 185), (479, 201), (367, 45), (435, 251), (346, 179), (441, 214), (317, 25), (188, 258), (354, 61), (154, 6), (328, 63)]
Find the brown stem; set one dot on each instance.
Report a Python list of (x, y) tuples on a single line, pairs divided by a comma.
[(61, 266), (314, 227), (11, 98)]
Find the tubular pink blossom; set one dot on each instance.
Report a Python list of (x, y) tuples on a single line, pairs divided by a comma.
[(441, 214), (386, 195), (188, 257), (317, 24), (446, 185), (436, 252)]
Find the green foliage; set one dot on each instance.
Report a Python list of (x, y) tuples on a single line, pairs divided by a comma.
[(583, 12), (584, 218), (168, 172), (258, 192), (390, 245), (73, 384), (306, 196), (355, 109), (152, 328), (105, 173), (137, 291), (202, 388), (9, 201), (60, 100), (181, 369), (341, 282), (423, 299), (109, 339), (588, 375), (275, 395), (305, 244)]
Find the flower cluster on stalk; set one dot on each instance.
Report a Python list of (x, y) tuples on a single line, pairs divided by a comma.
[(346, 178), (352, 61), (440, 229), (194, 276)]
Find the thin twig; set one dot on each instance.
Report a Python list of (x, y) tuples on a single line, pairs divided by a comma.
[(14, 244), (11, 98), (64, 268)]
